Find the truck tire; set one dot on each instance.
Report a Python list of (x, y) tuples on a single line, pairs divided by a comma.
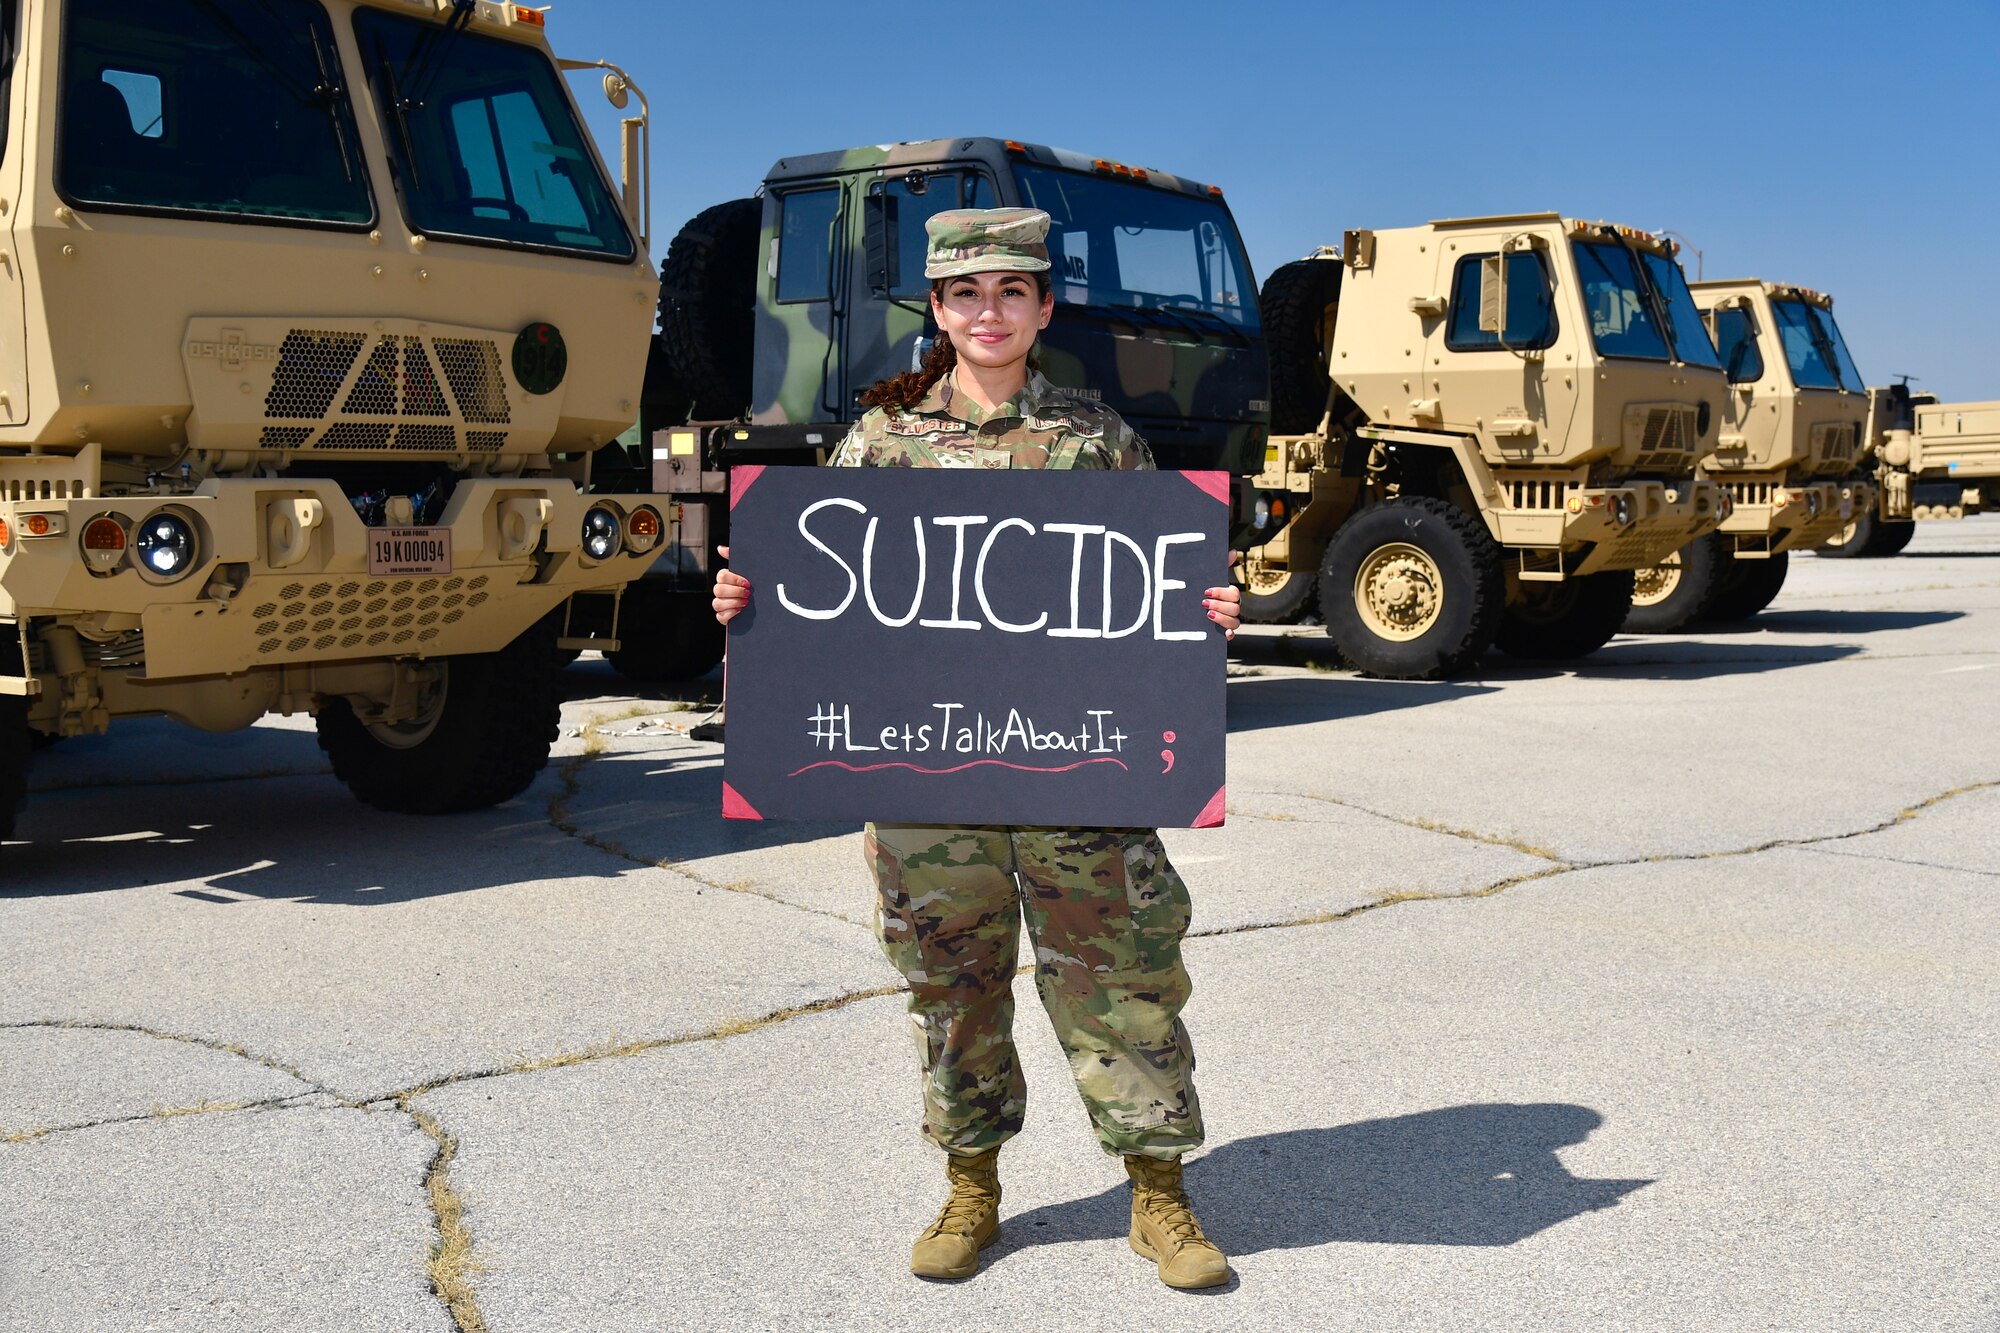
[(1567, 620), (667, 637), (1852, 540), (1748, 588), (486, 736), (1675, 594), (1274, 596), (1890, 538), (15, 747), (1292, 307), (708, 307), (1412, 589)]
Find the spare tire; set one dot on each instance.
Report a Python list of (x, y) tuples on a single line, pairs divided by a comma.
[(708, 307), (1293, 307)]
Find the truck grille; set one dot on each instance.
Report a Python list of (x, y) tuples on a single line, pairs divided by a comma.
[(1537, 494), (397, 392), (1660, 437), (388, 615), (1835, 442)]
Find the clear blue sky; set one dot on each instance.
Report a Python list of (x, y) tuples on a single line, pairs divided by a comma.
[(1850, 147)]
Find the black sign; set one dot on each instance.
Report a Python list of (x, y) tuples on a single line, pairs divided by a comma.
[(964, 646), (541, 358)]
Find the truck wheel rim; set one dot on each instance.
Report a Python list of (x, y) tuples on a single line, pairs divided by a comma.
[(1399, 591), (1653, 586), (1262, 580), (409, 734)]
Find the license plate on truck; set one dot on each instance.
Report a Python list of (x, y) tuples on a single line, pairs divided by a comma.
[(395, 551)]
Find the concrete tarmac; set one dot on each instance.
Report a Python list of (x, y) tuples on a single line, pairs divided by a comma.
[(1658, 990)]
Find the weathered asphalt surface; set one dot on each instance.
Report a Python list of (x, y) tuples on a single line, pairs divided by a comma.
[(1656, 993)]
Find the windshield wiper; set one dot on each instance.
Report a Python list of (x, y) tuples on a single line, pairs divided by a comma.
[(1649, 292), (1824, 345), (329, 95), (399, 107), (427, 60)]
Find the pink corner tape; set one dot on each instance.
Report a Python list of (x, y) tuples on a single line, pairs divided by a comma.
[(740, 477), (1211, 815), (1216, 484), (735, 807)]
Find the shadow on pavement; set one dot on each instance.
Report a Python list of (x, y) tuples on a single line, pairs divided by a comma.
[(1669, 659), (1828, 620), (1257, 702), (1460, 1175)]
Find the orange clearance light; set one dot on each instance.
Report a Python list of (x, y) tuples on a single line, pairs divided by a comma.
[(1215, 190), (534, 18), (1140, 173), (644, 523), (1100, 164), (37, 525), (1576, 504), (104, 534), (1014, 145), (6, 533)]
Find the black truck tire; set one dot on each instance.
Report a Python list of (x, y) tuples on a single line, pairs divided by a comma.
[(1853, 540), (1275, 597), (1412, 589), (1674, 595), (15, 746), (708, 307), (1748, 587), (667, 636), (1564, 621), (1890, 538), (1292, 308), (489, 733)]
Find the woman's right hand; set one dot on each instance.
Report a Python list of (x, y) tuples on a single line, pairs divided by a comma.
[(732, 591)]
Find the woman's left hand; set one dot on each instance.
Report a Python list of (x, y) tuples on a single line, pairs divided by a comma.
[(1225, 607)]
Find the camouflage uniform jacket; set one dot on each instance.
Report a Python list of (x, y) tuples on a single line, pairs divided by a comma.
[(1041, 427)]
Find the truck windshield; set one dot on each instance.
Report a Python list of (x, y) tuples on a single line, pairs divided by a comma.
[(1621, 319), (1690, 335), (231, 107), (484, 142), (1127, 246), (1813, 347)]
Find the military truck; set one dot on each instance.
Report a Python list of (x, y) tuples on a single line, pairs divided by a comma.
[(1482, 427), (312, 313), (776, 311), (1929, 460), (1789, 453)]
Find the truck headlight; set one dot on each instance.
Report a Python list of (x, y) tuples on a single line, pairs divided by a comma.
[(165, 546), (601, 533)]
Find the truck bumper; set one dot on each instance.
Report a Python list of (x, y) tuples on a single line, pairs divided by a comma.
[(1769, 519), (1632, 526), (281, 575)]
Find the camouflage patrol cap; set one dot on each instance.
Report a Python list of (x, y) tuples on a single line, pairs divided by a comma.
[(987, 240)]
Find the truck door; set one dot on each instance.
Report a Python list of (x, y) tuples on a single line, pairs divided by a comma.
[(891, 301), (1519, 378), (805, 285), (13, 147)]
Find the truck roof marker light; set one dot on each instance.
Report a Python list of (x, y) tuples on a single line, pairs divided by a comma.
[(6, 534), (533, 18), (1103, 164), (1014, 145), (1140, 173), (1215, 190)]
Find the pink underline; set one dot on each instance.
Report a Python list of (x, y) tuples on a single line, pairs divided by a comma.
[(871, 768)]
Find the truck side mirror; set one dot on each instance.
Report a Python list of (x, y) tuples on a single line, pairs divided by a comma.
[(1493, 295), (880, 238)]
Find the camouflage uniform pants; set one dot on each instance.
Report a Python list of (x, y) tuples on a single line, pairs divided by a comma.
[(1106, 913)]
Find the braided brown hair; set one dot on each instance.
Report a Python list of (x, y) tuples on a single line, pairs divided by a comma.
[(901, 393)]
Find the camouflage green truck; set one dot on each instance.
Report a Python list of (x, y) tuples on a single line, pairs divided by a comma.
[(1482, 428), (777, 311), (313, 314), (1929, 460), (1789, 453)]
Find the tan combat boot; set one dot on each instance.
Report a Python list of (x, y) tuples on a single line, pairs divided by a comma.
[(1164, 1229), (968, 1222)]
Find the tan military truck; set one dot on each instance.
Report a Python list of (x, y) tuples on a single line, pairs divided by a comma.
[(1789, 453), (1929, 460), (1505, 415), (312, 313)]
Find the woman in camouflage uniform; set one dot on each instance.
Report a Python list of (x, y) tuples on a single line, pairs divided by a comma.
[(1104, 907)]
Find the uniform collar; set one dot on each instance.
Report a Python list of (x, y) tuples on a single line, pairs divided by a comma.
[(944, 397)]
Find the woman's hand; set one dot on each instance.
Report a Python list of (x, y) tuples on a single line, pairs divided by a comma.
[(1224, 606), (732, 592)]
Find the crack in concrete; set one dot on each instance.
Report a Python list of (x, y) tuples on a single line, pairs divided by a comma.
[(1434, 826), (158, 1113), (453, 1260), (1903, 861)]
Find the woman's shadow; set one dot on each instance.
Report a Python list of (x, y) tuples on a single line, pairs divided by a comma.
[(1461, 1175)]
